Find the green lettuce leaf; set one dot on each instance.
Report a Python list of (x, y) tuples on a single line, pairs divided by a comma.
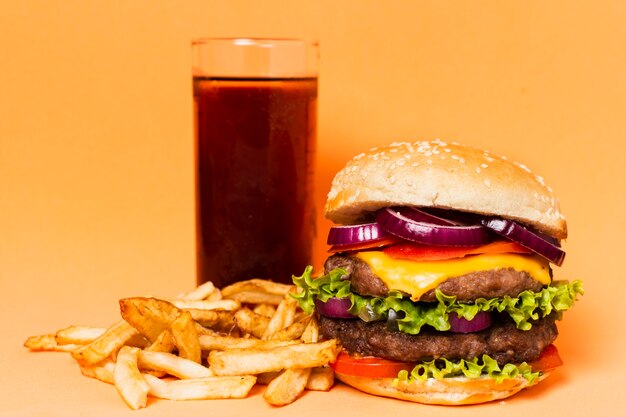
[(486, 365), (524, 308)]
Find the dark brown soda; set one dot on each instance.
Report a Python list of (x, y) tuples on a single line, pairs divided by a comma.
[(255, 145)]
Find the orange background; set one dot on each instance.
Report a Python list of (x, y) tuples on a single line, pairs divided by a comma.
[(96, 163)]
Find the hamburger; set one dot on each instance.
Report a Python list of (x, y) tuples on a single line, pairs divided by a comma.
[(439, 285)]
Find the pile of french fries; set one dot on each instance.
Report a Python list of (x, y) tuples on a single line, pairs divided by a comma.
[(206, 344)]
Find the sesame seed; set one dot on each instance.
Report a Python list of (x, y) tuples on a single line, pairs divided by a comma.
[(487, 183), (478, 170)]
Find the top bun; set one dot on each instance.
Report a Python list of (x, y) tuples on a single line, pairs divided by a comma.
[(443, 175)]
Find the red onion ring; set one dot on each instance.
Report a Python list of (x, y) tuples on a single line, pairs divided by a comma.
[(527, 238), (399, 225), (360, 233), (418, 215), (334, 307), (458, 324)]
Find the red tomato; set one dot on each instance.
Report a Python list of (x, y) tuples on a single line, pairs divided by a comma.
[(549, 359), (386, 241), (369, 366), (420, 252)]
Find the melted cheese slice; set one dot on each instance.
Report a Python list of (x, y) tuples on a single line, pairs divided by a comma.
[(418, 277)]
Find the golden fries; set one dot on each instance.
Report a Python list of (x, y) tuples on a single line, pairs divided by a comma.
[(128, 380), (321, 379), (256, 361), (79, 335), (109, 342), (204, 345), (164, 343), (186, 337), (228, 305), (206, 291), (286, 387), (47, 342), (150, 316), (201, 388), (284, 316), (172, 364), (210, 342), (256, 291), (251, 323), (103, 371)]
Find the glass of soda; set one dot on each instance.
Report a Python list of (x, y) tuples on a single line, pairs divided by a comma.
[(255, 113)]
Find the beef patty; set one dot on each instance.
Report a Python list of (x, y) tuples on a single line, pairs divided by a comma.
[(502, 341), (495, 283)]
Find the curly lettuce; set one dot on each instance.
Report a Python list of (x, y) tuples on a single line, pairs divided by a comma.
[(486, 365), (524, 308)]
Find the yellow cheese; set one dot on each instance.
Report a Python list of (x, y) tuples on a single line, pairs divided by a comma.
[(417, 277)]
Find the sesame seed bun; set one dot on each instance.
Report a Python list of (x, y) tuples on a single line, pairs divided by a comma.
[(443, 175), (447, 391)]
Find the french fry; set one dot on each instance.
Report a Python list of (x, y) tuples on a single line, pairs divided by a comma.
[(256, 297), (47, 342), (287, 386), (150, 316), (186, 337), (172, 364), (220, 320), (201, 388), (78, 335), (103, 371), (229, 305), (251, 323), (312, 332), (109, 342), (206, 291), (294, 331), (256, 285), (321, 379), (265, 378), (265, 309), (164, 343), (284, 316), (128, 380), (256, 361), (209, 342)]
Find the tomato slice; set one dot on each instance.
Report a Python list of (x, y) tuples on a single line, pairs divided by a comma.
[(548, 360), (386, 241), (369, 366), (420, 252)]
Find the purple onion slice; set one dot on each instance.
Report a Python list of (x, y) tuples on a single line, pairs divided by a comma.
[(527, 238), (399, 225), (459, 324), (334, 307), (418, 215), (349, 235)]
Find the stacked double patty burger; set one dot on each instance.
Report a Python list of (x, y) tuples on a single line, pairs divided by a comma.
[(440, 286)]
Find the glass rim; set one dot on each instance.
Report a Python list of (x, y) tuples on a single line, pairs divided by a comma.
[(252, 41)]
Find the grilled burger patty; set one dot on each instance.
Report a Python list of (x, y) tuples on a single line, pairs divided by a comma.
[(495, 283), (502, 341)]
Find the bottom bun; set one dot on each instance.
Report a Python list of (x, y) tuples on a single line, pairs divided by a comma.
[(448, 391)]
